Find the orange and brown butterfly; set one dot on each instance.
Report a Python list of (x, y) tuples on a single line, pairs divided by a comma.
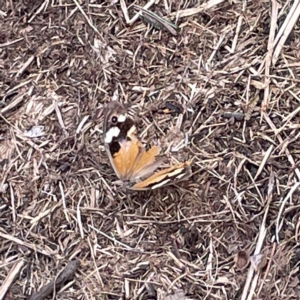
[(132, 162)]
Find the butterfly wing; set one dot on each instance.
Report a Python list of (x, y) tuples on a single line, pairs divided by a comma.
[(130, 160), (165, 177), (120, 149), (127, 155), (145, 162), (125, 158)]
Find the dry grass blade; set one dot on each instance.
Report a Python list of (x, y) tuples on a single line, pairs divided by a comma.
[(267, 269), (133, 19), (157, 21), (66, 274), (286, 29), (86, 17), (14, 272), (289, 156), (282, 206), (192, 11), (250, 285), (47, 252), (10, 43), (271, 46), (264, 161), (112, 239)]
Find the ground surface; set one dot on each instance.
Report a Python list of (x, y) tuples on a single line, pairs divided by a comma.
[(60, 61)]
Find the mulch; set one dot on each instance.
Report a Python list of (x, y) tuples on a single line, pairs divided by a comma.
[(225, 87)]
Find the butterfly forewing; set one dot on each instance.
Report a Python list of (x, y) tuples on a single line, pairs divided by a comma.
[(145, 162), (124, 159)]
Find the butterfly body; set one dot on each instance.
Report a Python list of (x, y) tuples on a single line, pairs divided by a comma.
[(131, 161)]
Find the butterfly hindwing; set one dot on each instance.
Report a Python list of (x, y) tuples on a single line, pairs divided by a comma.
[(165, 177)]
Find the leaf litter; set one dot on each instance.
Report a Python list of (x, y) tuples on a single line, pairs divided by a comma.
[(232, 70)]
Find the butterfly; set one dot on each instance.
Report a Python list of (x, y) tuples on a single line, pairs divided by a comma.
[(135, 164)]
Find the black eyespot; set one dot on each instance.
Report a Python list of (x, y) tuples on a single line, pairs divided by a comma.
[(114, 119)]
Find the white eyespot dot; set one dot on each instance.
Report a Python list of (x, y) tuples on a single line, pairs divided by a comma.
[(110, 134), (121, 118)]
